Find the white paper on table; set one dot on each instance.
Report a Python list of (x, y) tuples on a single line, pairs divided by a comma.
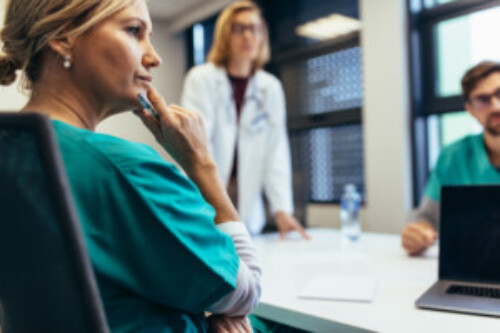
[(340, 288)]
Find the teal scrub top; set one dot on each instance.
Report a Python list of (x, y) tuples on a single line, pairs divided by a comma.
[(158, 258), (464, 162)]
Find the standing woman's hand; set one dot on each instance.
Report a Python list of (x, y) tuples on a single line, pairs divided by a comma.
[(286, 222)]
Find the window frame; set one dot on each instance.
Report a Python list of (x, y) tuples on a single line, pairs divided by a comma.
[(330, 119), (423, 69), (327, 119)]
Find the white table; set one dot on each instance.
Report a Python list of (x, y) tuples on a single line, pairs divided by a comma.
[(290, 264)]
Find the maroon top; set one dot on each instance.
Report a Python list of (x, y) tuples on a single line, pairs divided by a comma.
[(239, 85)]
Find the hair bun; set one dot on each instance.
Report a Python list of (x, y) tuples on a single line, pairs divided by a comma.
[(8, 67)]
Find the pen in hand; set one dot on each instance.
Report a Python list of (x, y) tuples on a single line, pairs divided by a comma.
[(147, 105)]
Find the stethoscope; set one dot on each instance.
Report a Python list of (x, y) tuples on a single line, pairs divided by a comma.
[(255, 95)]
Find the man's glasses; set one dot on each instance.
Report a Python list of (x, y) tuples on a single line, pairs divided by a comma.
[(483, 101), (239, 28)]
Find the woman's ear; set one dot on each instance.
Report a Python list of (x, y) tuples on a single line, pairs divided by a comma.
[(61, 46)]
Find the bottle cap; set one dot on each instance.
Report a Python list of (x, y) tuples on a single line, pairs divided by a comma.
[(350, 188)]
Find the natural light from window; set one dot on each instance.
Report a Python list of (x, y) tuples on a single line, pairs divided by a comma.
[(462, 42)]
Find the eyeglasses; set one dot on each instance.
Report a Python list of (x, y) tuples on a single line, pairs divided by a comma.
[(483, 101), (239, 28)]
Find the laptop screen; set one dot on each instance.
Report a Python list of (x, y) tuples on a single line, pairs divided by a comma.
[(470, 233)]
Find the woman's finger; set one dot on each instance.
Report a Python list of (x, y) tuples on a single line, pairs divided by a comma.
[(302, 231), (182, 110), (233, 325), (149, 121), (159, 105)]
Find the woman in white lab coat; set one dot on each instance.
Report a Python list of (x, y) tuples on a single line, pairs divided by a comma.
[(244, 112)]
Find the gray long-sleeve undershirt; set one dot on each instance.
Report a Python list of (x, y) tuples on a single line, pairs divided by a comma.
[(428, 210), (242, 300)]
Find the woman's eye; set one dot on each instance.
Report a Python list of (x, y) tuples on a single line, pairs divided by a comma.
[(133, 30)]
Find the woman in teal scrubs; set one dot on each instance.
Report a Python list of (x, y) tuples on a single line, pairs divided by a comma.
[(165, 248)]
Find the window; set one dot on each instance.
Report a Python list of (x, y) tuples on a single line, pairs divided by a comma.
[(323, 87), (324, 97), (324, 159), (199, 39), (446, 128), (433, 3), (439, 60), (478, 32)]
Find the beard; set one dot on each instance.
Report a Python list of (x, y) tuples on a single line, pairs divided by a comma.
[(493, 130)]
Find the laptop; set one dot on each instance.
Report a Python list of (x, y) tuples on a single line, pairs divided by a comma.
[(469, 254)]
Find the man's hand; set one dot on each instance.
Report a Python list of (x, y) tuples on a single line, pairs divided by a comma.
[(286, 222), (224, 324), (417, 237)]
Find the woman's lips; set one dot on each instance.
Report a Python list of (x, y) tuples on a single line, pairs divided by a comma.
[(146, 78), (145, 81)]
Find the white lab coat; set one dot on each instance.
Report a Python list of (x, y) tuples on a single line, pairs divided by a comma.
[(263, 150)]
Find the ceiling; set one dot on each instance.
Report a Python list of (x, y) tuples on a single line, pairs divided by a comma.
[(167, 10), (176, 14), (179, 14)]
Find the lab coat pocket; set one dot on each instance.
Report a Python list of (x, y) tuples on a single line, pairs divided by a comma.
[(274, 118), (259, 123)]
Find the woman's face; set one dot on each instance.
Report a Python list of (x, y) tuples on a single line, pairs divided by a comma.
[(113, 60), (246, 36)]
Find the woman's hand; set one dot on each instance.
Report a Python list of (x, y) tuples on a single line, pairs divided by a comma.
[(183, 135), (286, 222), (224, 324), (181, 132)]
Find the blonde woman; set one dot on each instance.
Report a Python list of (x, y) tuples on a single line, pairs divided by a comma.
[(244, 111), (164, 248)]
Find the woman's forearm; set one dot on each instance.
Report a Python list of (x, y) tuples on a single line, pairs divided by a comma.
[(206, 177)]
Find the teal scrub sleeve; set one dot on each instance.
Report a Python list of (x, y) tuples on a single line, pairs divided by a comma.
[(160, 240)]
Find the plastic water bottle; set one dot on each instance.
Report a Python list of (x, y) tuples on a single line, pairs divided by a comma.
[(349, 213)]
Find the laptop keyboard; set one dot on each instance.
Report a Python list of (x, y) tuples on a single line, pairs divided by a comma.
[(474, 291)]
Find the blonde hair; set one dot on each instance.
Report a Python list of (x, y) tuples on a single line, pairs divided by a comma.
[(220, 51), (30, 24)]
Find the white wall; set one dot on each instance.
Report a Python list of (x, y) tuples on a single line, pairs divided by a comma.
[(386, 120), (11, 97), (386, 114)]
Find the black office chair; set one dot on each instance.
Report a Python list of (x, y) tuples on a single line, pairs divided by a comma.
[(46, 280)]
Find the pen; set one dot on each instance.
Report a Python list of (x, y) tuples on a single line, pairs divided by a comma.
[(147, 105)]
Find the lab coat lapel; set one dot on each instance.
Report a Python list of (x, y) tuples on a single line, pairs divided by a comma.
[(253, 111), (225, 95)]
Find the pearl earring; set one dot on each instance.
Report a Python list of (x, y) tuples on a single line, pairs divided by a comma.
[(67, 61)]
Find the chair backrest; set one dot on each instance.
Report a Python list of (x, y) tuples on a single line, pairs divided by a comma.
[(46, 280)]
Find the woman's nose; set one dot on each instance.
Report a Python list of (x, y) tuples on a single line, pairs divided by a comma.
[(151, 58)]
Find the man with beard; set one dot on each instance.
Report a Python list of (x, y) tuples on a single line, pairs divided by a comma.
[(474, 159)]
